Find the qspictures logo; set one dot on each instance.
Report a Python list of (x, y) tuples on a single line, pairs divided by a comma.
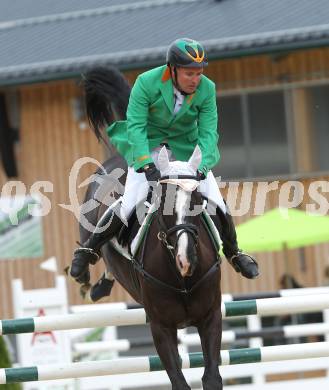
[(242, 198)]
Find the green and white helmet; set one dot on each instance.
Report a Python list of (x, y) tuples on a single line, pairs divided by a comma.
[(186, 53)]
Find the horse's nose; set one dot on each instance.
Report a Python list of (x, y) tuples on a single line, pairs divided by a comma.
[(183, 265)]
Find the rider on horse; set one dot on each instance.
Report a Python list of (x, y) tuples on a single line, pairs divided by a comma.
[(172, 105)]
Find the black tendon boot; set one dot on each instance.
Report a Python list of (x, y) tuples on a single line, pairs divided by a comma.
[(240, 261), (102, 288), (89, 253)]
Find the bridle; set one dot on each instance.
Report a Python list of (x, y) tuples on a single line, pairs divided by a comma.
[(165, 232)]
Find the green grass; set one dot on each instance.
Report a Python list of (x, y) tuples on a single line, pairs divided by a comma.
[(5, 363)]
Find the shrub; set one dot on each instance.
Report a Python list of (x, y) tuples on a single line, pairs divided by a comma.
[(5, 363)]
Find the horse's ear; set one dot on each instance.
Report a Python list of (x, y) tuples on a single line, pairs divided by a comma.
[(163, 159), (195, 159)]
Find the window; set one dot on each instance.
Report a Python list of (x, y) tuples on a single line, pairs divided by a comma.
[(268, 136), (320, 126), (231, 138), (253, 135)]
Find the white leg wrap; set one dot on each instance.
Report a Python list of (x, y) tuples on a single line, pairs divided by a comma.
[(209, 188)]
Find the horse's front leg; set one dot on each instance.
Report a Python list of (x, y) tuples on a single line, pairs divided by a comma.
[(165, 341), (210, 331)]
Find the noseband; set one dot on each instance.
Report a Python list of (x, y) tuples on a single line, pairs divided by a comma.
[(165, 232)]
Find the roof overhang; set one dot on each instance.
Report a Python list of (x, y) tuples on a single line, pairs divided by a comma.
[(234, 47)]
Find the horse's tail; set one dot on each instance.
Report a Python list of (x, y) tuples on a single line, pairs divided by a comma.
[(106, 97)]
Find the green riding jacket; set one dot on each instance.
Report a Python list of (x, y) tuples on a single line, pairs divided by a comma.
[(151, 121)]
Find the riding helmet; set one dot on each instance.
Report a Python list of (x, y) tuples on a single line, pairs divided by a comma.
[(186, 53)]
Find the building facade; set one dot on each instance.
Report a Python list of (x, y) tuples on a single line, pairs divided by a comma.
[(273, 124)]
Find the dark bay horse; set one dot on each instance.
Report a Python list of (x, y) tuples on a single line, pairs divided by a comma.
[(175, 273)]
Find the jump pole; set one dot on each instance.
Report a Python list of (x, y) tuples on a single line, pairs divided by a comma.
[(153, 363), (262, 307)]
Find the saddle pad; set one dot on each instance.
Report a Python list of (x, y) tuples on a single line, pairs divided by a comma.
[(142, 231), (212, 228)]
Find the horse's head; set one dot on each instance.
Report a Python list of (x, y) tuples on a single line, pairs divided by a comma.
[(179, 209)]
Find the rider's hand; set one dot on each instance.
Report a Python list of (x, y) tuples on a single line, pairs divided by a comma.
[(151, 172), (200, 175)]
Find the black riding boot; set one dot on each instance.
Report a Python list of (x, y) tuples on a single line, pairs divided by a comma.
[(89, 253), (240, 261)]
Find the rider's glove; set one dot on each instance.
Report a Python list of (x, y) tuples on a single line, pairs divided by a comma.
[(151, 172), (200, 175)]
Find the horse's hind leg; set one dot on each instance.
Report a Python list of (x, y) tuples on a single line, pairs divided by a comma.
[(165, 341), (210, 331)]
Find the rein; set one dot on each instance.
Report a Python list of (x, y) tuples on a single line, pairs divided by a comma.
[(185, 291)]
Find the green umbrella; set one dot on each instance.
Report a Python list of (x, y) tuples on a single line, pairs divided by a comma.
[(282, 229)]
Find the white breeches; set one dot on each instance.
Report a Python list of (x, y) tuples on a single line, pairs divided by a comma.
[(209, 189), (136, 190)]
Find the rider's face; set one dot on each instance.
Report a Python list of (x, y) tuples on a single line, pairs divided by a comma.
[(188, 79)]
